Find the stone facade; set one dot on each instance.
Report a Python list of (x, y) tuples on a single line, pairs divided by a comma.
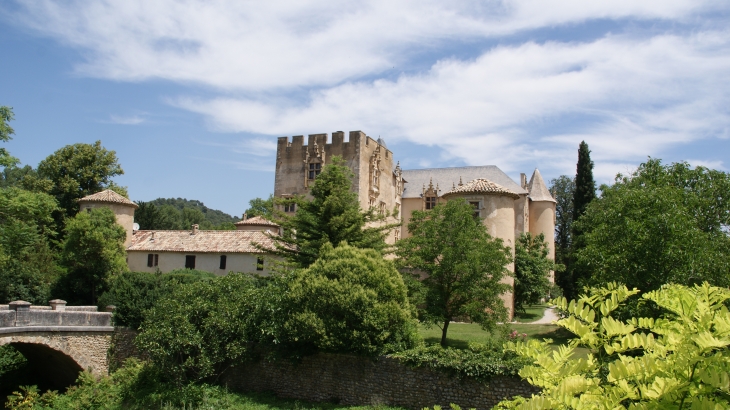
[(355, 380)]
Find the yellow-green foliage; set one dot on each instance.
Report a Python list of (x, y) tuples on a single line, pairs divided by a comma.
[(679, 361)]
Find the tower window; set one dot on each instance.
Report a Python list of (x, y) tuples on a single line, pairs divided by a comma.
[(430, 202), (290, 207), (314, 169)]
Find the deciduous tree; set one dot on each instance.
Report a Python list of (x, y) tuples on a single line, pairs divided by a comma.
[(532, 270), (92, 252), (463, 264), (6, 132)]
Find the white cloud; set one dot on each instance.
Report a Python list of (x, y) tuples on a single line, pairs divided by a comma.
[(233, 44), (126, 120)]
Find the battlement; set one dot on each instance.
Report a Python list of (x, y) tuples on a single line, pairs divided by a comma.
[(337, 139)]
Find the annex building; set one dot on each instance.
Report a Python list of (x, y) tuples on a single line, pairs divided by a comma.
[(506, 207)]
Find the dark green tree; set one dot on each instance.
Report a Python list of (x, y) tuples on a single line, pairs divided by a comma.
[(6, 132), (563, 190), (92, 252), (261, 207), (532, 270), (78, 170), (349, 301), (661, 224), (332, 216), (27, 265), (464, 264)]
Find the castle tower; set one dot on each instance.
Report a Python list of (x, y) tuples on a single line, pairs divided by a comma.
[(122, 207), (542, 212)]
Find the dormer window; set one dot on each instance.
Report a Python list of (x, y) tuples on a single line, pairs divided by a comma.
[(315, 168)]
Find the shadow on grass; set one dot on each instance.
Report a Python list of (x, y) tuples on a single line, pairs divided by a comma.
[(455, 343)]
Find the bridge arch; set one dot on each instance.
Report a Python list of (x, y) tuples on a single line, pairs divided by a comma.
[(59, 357)]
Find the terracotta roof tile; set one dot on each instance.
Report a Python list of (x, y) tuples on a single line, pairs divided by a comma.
[(201, 242), (108, 196), (258, 221), (481, 186)]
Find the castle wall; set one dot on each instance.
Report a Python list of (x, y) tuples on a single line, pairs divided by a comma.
[(542, 221), (124, 214)]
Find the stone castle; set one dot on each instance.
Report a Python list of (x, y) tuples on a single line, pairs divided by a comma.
[(506, 208)]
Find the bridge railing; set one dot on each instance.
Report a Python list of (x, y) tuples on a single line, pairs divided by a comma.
[(22, 314)]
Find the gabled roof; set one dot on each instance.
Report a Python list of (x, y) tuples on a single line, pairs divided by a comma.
[(200, 242), (109, 197), (257, 221), (538, 190), (446, 178), (481, 186)]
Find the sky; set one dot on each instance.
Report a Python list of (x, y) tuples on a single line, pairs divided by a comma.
[(193, 94)]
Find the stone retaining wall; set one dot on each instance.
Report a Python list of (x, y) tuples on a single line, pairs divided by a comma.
[(358, 381)]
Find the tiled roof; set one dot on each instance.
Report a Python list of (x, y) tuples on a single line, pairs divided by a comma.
[(257, 221), (201, 242), (445, 178), (481, 186), (108, 196), (538, 190)]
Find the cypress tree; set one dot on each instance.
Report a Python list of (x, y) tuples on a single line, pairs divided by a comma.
[(585, 192)]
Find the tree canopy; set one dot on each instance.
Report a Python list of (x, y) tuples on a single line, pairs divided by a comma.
[(464, 265), (660, 224), (333, 215), (261, 207), (6, 132), (532, 270), (78, 170), (92, 252)]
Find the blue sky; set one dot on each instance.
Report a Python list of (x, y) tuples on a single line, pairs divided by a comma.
[(192, 95)]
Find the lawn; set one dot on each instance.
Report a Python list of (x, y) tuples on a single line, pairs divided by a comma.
[(531, 314), (265, 401), (460, 334)]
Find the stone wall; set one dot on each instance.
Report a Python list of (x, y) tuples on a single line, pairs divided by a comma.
[(358, 381), (122, 347)]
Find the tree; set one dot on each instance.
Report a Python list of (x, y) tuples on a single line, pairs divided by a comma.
[(463, 264), (349, 301), (532, 270), (332, 216), (681, 361), (261, 207), (78, 170), (92, 252), (6, 132), (563, 189), (661, 224), (27, 265)]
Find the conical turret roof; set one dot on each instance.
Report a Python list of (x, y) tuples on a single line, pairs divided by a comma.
[(108, 196), (537, 189)]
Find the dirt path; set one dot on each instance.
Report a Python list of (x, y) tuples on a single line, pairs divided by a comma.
[(547, 318)]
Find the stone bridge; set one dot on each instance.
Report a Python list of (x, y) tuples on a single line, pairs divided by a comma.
[(58, 341)]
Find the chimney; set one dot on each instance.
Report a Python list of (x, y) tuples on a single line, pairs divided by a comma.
[(523, 180), (195, 229)]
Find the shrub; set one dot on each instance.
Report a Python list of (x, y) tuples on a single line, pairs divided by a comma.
[(349, 301), (679, 361), (200, 329), (134, 292)]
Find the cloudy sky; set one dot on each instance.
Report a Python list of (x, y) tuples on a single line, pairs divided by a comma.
[(192, 94)]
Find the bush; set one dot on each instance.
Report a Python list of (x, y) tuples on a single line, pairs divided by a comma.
[(679, 361), (349, 301), (200, 329), (480, 361), (134, 292)]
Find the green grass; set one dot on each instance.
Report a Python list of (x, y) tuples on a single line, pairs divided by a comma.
[(531, 314), (461, 334)]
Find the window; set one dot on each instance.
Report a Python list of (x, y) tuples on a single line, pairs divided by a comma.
[(475, 205), (430, 202), (259, 263), (382, 208), (189, 261), (314, 169), (223, 262), (397, 211), (290, 207), (397, 235), (153, 259)]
